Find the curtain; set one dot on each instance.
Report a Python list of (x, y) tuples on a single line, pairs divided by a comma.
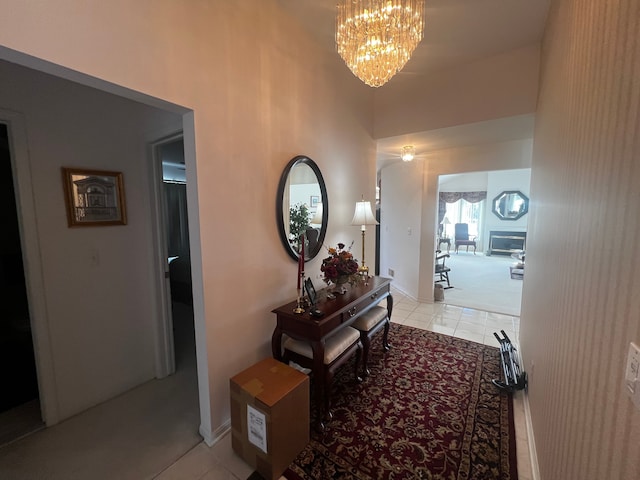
[(175, 195), (453, 197)]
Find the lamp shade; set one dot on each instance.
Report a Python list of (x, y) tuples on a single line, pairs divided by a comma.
[(363, 214), (445, 221), (317, 217)]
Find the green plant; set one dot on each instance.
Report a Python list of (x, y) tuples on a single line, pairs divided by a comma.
[(298, 221)]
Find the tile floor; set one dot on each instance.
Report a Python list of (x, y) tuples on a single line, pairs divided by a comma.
[(220, 463)]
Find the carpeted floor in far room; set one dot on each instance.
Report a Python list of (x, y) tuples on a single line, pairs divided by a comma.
[(483, 282), (427, 411)]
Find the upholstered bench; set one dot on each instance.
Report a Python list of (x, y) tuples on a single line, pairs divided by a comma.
[(368, 324), (338, 348)]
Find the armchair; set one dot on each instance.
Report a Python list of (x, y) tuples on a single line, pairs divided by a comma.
[(462, 237)]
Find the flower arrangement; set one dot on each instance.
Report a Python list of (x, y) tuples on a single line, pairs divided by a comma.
[(340, 267)]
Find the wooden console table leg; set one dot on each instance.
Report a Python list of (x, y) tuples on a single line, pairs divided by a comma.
[(276, 343)]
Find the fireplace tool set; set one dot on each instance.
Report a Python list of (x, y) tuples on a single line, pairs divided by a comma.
[(514, 378)]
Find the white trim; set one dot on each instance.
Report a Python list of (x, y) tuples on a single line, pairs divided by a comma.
[(197, 284), (212, 438), (164, 342), (533, 454), (31, 257)]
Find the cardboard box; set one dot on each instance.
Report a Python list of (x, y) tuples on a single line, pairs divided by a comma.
[(269, 416)]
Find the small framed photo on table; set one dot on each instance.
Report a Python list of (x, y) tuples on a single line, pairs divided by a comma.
[(311, 292), (93, 197)]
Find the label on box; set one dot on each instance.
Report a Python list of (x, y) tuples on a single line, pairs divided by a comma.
[(257, 428)]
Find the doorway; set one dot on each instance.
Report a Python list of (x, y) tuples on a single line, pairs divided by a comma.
[(481, 281), (19, 402), (169, 153)]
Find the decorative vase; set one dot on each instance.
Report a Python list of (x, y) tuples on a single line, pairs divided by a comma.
[(340, 286)]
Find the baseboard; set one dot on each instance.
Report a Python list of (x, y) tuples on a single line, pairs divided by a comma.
[(533, 454), (211, 438), (403, 292)]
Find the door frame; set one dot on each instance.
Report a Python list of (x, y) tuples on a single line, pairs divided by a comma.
[(165, 355), (165, 347), (32, 261)]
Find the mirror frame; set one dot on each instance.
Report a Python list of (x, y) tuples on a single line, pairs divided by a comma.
[(500, 215), (301, 160)]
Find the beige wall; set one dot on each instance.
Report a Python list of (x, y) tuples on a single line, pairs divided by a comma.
[(501, 86), (581, 301), (261, 93)]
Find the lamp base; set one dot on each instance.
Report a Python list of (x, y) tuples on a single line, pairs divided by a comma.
[(364, 271)]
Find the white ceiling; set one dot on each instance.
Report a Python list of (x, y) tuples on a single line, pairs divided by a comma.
[(491, 131), (457, 32)]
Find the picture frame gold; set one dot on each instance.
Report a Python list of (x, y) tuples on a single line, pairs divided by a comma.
[(94, 197)]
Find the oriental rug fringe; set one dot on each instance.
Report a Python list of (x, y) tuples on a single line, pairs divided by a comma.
[(428, 410)]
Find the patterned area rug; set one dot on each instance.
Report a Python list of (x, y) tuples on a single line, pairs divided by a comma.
[(427, 411)]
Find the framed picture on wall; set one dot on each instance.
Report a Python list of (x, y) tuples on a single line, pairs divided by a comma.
[(315, 199), (93, 197)]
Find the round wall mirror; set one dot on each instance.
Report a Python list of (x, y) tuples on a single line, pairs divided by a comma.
[(510, 205), (302, 207)]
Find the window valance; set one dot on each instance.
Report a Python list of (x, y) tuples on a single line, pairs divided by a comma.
[(453, 197)]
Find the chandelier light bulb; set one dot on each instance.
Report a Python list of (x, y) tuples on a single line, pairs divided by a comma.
[(408, 153)]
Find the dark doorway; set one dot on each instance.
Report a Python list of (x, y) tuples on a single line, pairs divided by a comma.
[(19, 381), (177, 237), (177, 223)]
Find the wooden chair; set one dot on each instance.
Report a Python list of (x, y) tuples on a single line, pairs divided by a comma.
[(442, 271), (368, 324), (462, 237), (338, 349)]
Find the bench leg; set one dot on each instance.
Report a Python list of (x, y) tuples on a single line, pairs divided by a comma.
[(364, 339), (358, 356), (385, 336)]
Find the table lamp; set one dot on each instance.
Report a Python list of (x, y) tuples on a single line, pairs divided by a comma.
[(444, 224), (363, 216)]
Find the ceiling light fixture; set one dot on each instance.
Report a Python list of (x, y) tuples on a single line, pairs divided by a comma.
[(408, 152), (376, 38)]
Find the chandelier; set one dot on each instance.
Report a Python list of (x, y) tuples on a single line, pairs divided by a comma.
[(376, 38)]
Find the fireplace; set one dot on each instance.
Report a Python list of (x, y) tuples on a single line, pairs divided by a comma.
[(506, 243)]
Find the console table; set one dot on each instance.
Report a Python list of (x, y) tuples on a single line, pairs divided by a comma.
[(338, 313)]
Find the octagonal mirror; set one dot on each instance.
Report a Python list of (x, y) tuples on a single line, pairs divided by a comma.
[(302, 207), (510, 205)]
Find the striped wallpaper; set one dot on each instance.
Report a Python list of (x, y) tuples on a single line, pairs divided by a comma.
[(581, 295)]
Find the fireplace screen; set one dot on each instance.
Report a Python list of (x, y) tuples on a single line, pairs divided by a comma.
[(506, 243)]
